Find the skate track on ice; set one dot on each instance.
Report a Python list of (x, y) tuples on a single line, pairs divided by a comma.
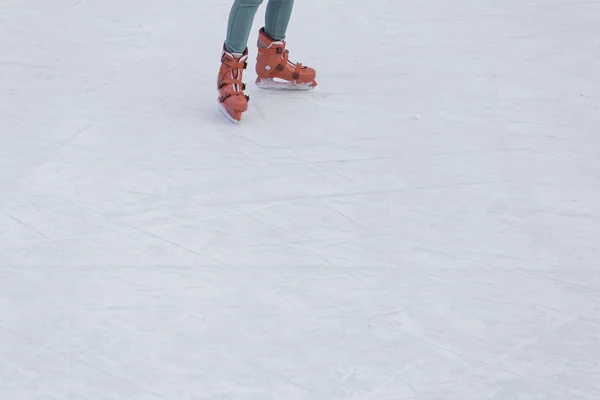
[(424, 225)]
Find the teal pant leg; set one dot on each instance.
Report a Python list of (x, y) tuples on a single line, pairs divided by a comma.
[(240, 23), (242, 16), (278, 17)]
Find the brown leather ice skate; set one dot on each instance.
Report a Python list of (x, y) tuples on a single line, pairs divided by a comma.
[(274, 69), (232, 100)]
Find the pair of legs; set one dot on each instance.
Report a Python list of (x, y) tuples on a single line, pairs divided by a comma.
[(274, 70), (242, 16)]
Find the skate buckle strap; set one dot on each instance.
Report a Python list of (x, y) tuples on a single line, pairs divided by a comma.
[(281, 66), (228, 95), (239, 92), (241, 86), (296, 74), (233, 63), (238, 82)]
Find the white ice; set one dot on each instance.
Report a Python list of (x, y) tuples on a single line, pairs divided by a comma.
[(423, 225)]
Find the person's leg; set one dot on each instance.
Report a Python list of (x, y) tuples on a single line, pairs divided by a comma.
[(277, 18), (239, 25)]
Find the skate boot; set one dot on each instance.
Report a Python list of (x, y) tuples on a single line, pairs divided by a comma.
[(232, 100), (275, 71)]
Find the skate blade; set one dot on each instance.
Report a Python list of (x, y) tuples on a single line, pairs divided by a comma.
[(272, 84), (225, 112)]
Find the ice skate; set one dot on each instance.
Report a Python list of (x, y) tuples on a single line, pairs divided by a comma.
[(275, 71), (232, 100)]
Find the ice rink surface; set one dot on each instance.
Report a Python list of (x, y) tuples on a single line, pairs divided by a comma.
[(424, 225)]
